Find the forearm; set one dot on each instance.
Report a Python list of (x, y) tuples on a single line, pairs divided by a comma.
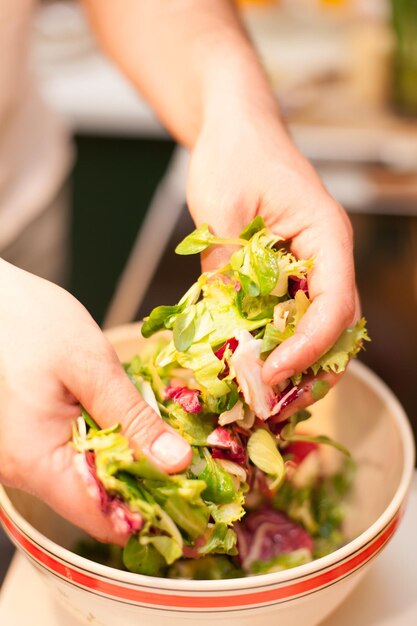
[(191, 59)]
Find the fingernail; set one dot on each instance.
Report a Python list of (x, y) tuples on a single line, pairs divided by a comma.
[(170, 449)]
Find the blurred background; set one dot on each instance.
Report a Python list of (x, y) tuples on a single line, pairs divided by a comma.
[(345, 73)]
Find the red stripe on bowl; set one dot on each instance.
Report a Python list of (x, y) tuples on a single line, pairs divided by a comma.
[(283, 592)]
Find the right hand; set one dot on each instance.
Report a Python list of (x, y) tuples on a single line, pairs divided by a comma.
[(53, 357)]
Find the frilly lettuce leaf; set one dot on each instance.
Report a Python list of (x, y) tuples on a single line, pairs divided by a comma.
[(241, 296), (217, 318), (230, 512), (290, 266), (346, 347)]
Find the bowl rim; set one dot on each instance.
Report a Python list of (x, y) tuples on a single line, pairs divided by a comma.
[(397, 503)]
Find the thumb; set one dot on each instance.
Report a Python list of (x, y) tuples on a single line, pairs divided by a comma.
[(101, 385)]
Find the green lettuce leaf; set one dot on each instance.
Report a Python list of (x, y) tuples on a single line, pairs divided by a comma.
[(263, 452), (281, 562), (160, 318), (191, 518), (320, 507), (143, 559), (220, 488), (197, 241), (230, 512), (221, 540), (206, 367), (206, 568), (184, 329), (256, 265), (259, 308), (202, 238), (164, 316), (274, 337), (167, 547), (346, 347), (195, 428), (252, 228), (221, 302), (168, 504)]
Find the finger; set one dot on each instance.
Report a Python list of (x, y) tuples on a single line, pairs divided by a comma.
[(101, 385), (226, 223), (68, 496), (333, 308), (216, 257)]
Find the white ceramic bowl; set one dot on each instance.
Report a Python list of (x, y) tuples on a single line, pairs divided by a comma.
[(361, 412)]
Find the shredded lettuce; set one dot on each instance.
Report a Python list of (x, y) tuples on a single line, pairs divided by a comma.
[(250, 293), (204, 378)]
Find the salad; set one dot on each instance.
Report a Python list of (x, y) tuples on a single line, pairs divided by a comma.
[(256, 497)]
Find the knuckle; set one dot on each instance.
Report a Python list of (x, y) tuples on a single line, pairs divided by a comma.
[(141, 425), (10, 470), (310, 349), (349, 233), (348, 312)]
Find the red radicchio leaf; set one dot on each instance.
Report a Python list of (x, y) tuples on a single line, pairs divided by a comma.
[(226, 445), (187, 398), (231, 343), (265, 534), (191, 552), (297, 284), (125, 521), (284, 399), (300, 449)]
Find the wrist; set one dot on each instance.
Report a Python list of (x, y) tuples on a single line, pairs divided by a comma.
[(236, 87)]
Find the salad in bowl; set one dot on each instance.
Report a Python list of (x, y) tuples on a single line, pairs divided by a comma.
[(256, 497)]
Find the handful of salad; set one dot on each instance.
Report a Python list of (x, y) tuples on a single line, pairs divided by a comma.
[(255, 498)]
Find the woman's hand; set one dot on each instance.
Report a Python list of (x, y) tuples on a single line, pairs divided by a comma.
[(53, 357), (244, 164)]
